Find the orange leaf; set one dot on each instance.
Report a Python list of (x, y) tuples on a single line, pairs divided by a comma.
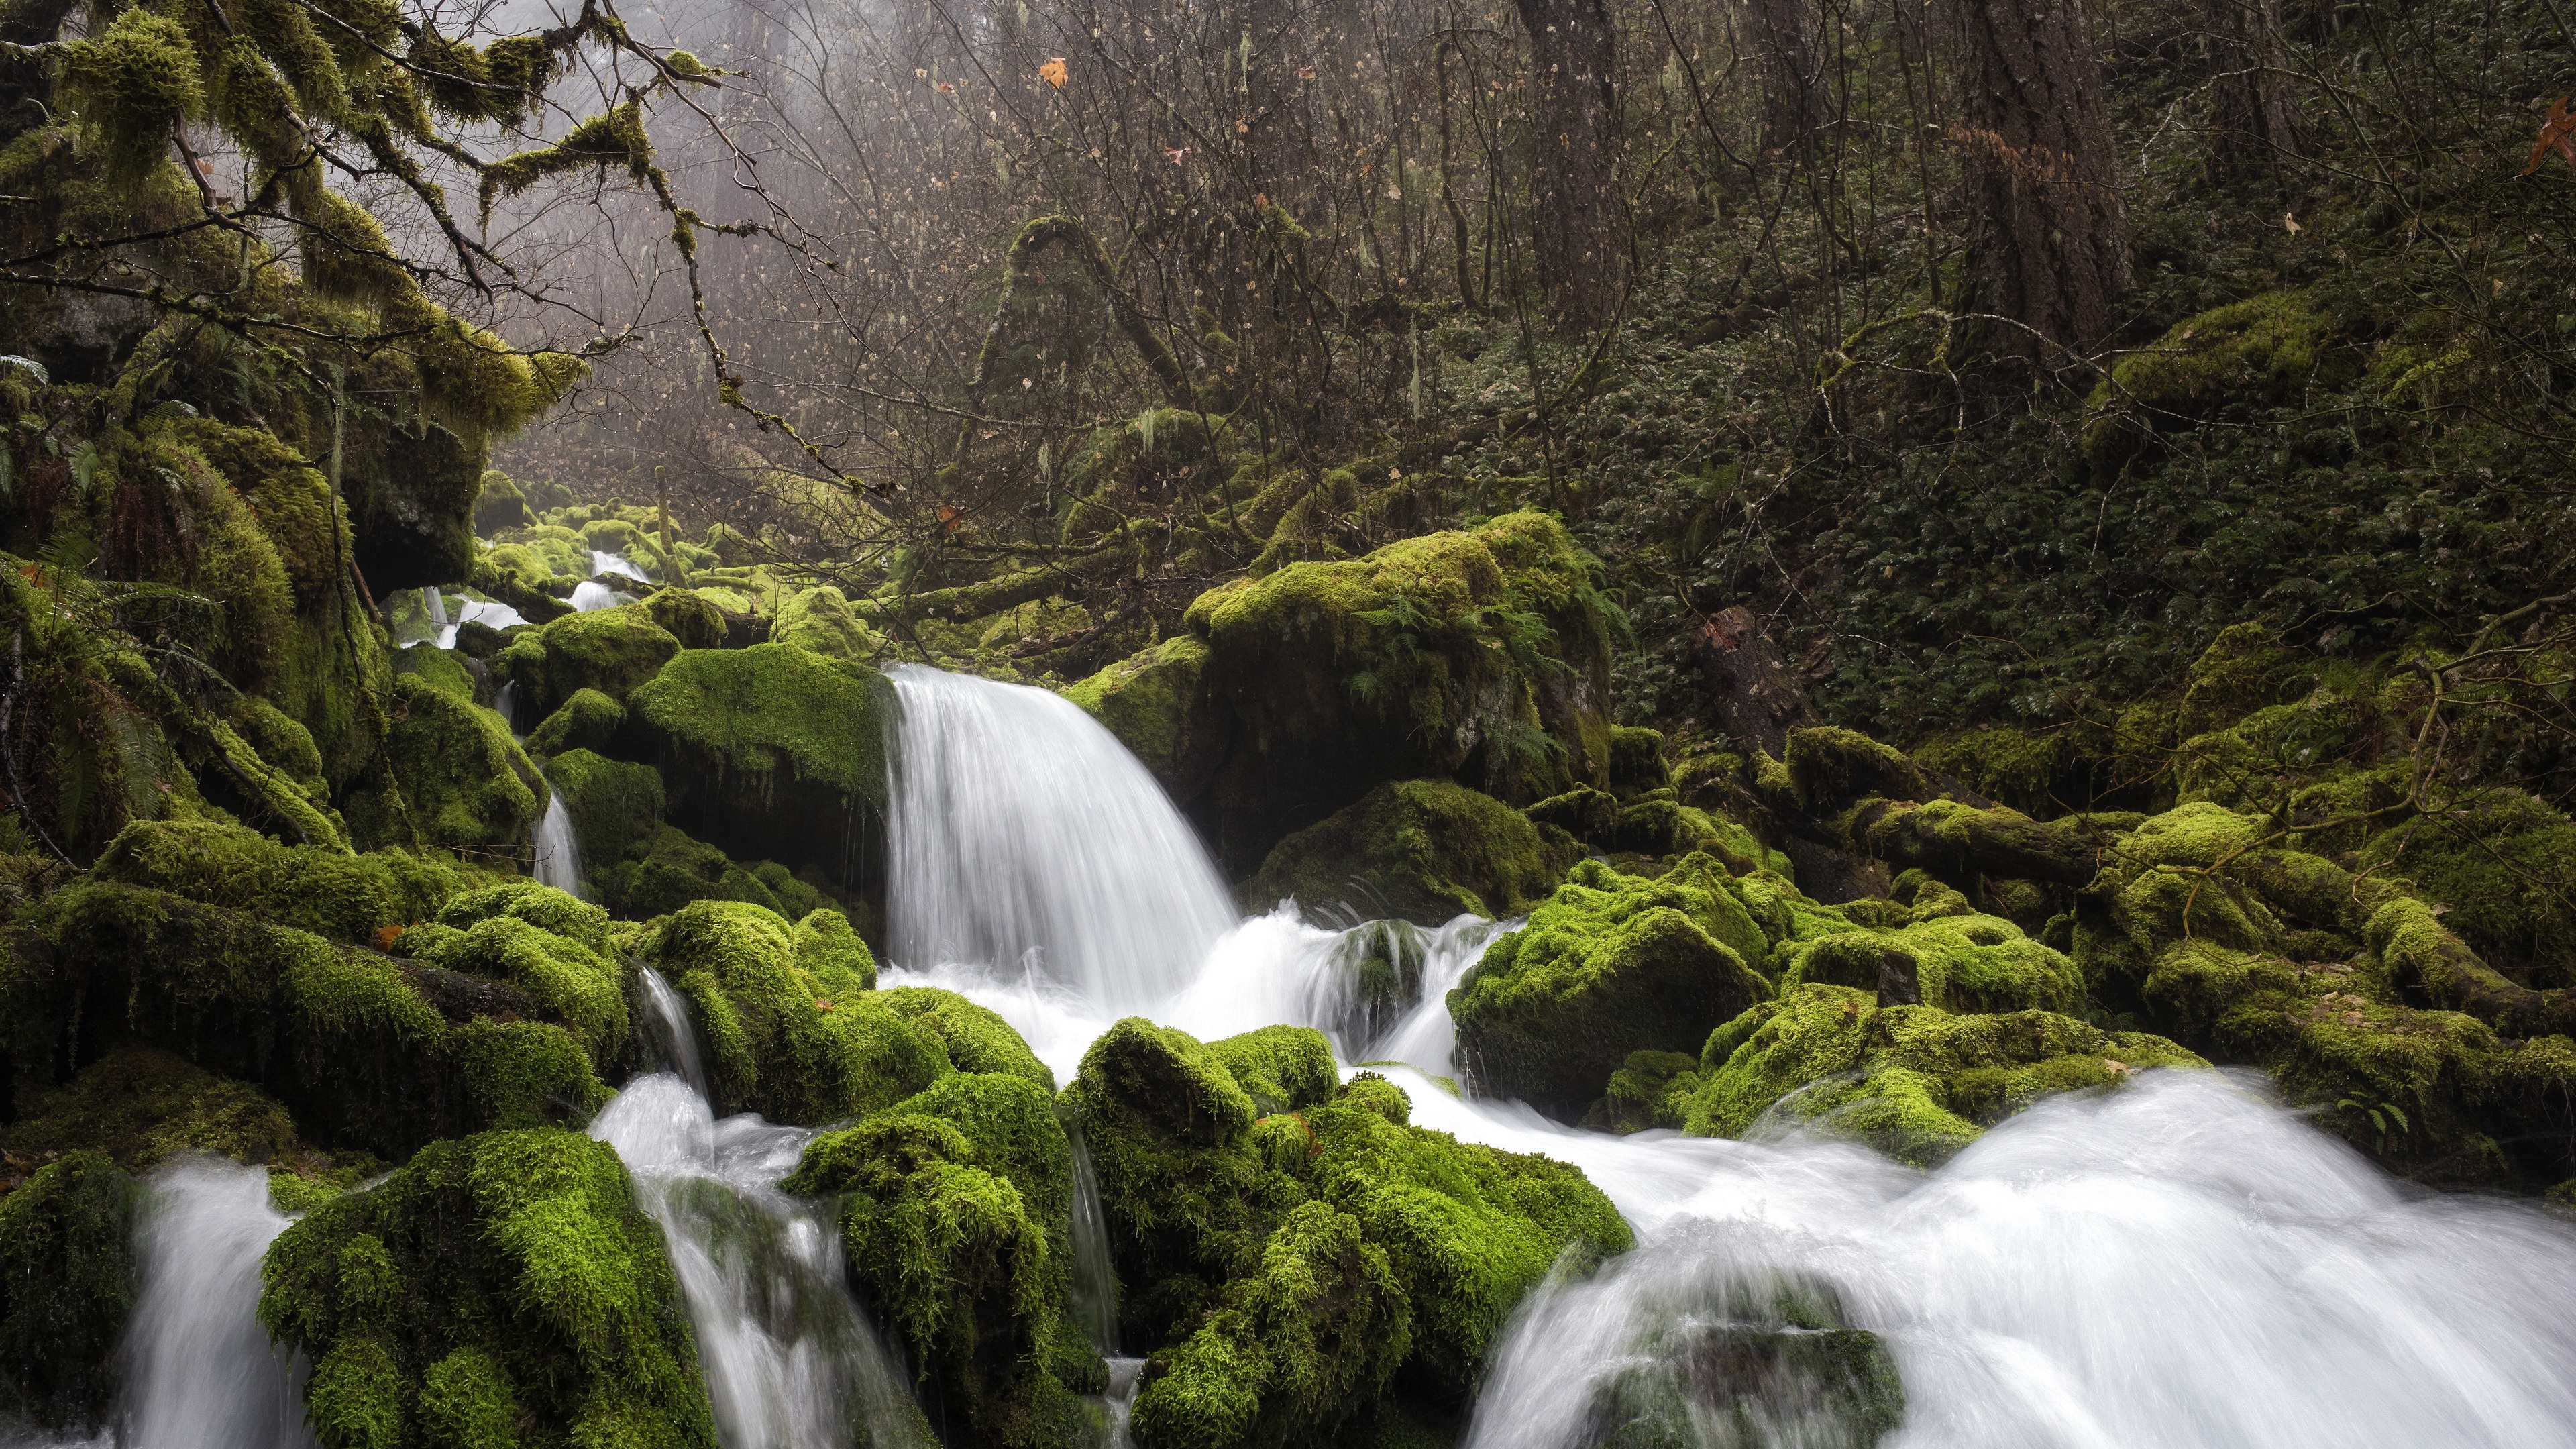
[(2557, 133), (1054, 72), (386, 936)]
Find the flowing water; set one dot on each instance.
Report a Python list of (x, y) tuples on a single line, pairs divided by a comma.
[(604, 562), (558, 852), (200, 1371), (436, 603), (2181, 1263), (590, 596)]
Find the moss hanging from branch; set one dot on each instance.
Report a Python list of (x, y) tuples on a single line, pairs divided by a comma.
[(614, 138)]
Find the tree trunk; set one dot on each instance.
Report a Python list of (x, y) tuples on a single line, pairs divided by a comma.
[(1580, 224), (2049, 239), (1793, 96), (2256, 121)]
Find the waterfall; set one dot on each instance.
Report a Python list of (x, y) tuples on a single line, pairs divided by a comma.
[(505, 703), (604, 562), (590, 596), (199, 1368), (669, 1037), (1095, 1282), (436, 603), (1025, 837), (558, 852)]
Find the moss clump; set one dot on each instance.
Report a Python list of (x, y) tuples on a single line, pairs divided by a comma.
[(1915, 1082), (438, 668), (502, 1277), (608, 650), (1478, 656), (794, 1035), (976, 1038), (1964, 962), (465, 783), (568, 980), (67, 1283), (1424, 850), (329, 892), (527, 1073), (822, 621), (957, 1217), (692, 620), (1282, 1068), (615, 806), (1610, 964), (767, 744), (2268, 346), (589, 720), (142, 1107), (1156, 703)]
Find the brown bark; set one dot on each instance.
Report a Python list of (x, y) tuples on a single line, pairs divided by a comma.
[(1579, 220), (2049, 239), (1793, 96), (2254, 114), (1752, 695)]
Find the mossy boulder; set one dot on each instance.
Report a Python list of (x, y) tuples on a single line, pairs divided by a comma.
[(1608, 965), (589, 720), (821, 620), (1479, 656), (692, 620), (503, 1284), (438, 668), (328, 892), (1282, 1068), (608, 650), (791, 1027), (768, 751), (2265, 348), (975, 1037), (1914, 1082), (499, 504), (68, 1281), (142, 1107), (957, 1218), (1958, 959), (1423, 850), (465, 784), (1398, 1258)]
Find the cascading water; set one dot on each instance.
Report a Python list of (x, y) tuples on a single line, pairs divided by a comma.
[(604, 562), (590, 596), (199, 1368), (505, 703), (790, 1359), (558, 852), (436, 603), (1025, 839), (2183, 1262)]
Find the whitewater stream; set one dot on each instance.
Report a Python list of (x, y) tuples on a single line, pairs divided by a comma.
[(2183, 1263)]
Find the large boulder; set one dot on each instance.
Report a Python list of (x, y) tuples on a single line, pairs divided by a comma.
[(1611, 964), (770, 751), (1478, 656), (1423, 850), (608, 650)]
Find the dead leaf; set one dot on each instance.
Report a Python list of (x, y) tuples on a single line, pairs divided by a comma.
[(2290, 224), (1054, 72), (2557, 133)]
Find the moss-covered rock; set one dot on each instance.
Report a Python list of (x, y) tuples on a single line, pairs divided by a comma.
[(1423, 850), (821, 620), (2268, 346), (500, 1282), (1478, 656), (609, 650), (465, 784), (690, 619), (770, 750), (439, 668), (68, 1281), (976, 1038), (957, 1216), (791, 1028), (1960, 962), (143, 1107), (615, 806), (1915, 1082), (1282, 1068), (1610, 964), (329, 892), (589, 720)]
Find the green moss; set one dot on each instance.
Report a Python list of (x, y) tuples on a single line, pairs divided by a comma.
[(438, 668), (976, 1038), (570, 982), (1424, 850), (615, 807), (1610, 964), (822, 621), (2244, 669), (329, 892), (539, 905), (142, 1107), (1962, 962), (1282, 1068), (2505, 866), (133, 84), (589, 720), (1650, 1089), (1915, 1082), (67, 1283), (528, 1074), (796, 1036), (507, 1269), (466, 783), (1156, 703), (696, 623), (771, 719), (1637, 759), (958, 1219), (608, 650)]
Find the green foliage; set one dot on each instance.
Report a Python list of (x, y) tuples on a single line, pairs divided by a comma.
[(976, 1038), (507, 1270)]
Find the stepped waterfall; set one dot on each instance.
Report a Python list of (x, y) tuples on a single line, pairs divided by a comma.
[(2182, 1262)]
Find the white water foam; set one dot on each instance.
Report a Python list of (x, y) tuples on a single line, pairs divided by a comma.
[(558, 850), (590, 596), (200, 1371)]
